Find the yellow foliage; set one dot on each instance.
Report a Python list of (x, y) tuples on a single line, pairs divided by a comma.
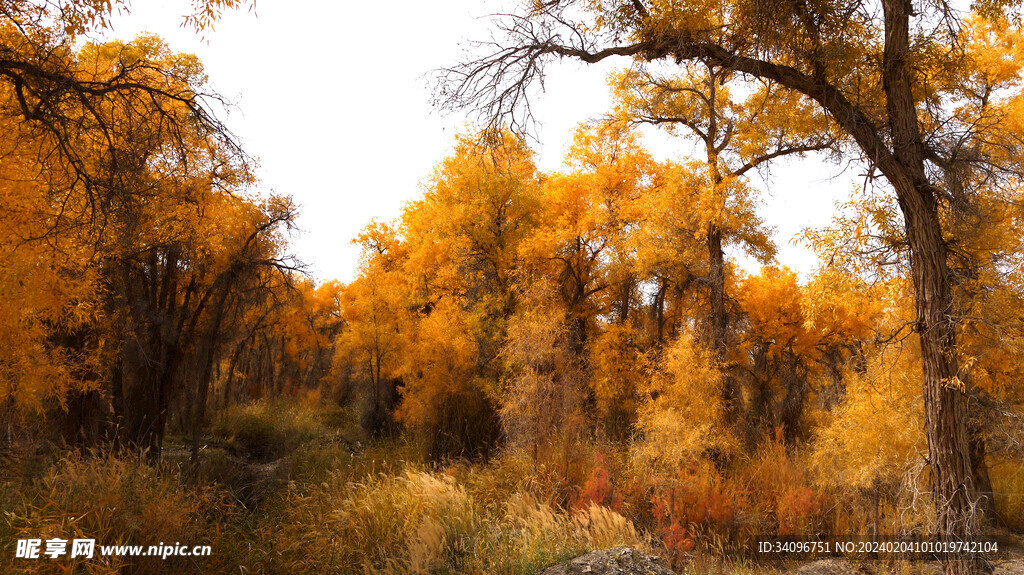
[(875, 437), (683, 418), (617, 368), (543, 399)]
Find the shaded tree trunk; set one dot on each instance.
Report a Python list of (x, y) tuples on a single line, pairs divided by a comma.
[(719, 320), (979, 469), (658, 313), (207, 354), (791, 408)]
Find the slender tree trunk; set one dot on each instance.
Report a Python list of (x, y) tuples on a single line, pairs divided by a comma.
[(208, 352), (719, 319), (658, 309), (230, 379), (625, 299), (979, 469)]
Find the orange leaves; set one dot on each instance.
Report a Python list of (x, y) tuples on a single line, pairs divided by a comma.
[(598, 489), (82, 16), (679, 209), (772, 303), (479, 205), (866, 238), (596, 202), (438, 360), (795, 509), (875, 436), (132, 233), (691, 503), (990, 66), (617, 375), (831, 309)]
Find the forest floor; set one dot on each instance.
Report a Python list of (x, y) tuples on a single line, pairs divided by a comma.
[(267, 456), (283, 488)]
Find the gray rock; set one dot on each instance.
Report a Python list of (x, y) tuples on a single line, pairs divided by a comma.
[(616, 561)]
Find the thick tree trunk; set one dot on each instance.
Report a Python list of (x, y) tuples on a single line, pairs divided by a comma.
[(900, 157), (945, 403)]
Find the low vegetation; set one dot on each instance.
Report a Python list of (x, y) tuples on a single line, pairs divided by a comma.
[(333, 501)]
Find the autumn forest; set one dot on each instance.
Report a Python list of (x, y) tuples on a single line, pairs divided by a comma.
[(530, 365)]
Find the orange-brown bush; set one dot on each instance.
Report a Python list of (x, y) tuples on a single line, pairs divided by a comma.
[(703, 506), (789, 503), (694, 504)]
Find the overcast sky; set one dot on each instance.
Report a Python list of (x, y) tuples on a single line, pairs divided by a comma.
[(332, 98)]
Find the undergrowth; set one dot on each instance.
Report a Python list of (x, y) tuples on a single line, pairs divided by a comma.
[(293, 487)]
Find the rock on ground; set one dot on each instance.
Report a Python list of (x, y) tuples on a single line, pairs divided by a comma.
[(616, 561)]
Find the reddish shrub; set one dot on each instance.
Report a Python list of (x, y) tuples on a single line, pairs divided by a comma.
[(678, 541), (598, 489), (796, 510)]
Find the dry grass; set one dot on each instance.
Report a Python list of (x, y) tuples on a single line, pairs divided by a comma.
[(117, 501), (337, 505), (421, 522)]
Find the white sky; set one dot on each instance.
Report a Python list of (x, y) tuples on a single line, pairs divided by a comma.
[(332, 97)]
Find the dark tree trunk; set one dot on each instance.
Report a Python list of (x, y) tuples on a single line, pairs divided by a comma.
[(625, 299), (791, 408), (979, 469), (658, 311), (719, 320), (207, 354), (760, 416), (142, 398)]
